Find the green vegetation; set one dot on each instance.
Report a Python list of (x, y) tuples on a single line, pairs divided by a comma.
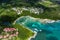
[(48, 4), (51, 10), (7, 15), (24, 33)]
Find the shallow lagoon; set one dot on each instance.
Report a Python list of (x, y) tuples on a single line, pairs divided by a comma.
[(50, 31)]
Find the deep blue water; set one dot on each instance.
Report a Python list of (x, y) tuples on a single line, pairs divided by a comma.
[(50, 31)]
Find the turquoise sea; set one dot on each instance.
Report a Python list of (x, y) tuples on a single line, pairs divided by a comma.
[(49, 31)]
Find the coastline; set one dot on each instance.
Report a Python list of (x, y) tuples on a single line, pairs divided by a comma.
[(40, 20), (33, 36)]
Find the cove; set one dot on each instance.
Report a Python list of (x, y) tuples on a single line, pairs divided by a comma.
[(50, 31)]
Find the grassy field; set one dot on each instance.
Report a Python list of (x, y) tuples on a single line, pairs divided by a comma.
[(24, 33)]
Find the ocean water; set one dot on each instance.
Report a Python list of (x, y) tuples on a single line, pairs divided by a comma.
[(47, 31)]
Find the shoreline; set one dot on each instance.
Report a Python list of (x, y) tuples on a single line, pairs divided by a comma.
[(46, 20), (40, 20), (33, 36)]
